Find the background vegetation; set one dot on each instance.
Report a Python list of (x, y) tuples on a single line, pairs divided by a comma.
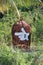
[(32, 13)]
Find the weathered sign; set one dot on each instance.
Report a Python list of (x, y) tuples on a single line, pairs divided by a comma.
[(21, 34)]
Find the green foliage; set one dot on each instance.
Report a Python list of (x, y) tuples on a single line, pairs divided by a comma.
[(17, 57), (5, 55), (32, 13)]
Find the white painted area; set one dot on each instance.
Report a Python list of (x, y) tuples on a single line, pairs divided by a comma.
[(22, 35)]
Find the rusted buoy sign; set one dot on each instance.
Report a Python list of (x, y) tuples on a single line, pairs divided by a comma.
[(21, 34)]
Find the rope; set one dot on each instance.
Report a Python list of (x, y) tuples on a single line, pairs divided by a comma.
[(14, 5)]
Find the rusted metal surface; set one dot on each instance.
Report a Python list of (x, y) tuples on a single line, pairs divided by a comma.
[(21, 35)]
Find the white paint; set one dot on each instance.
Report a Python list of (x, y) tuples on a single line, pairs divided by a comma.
[(22, 35)]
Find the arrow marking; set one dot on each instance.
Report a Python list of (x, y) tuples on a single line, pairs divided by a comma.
[(22, 35)]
